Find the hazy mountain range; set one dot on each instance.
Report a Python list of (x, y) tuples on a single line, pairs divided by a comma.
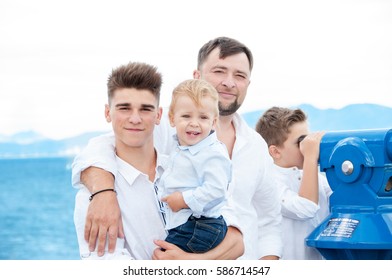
[(29, 144), (352, 117)]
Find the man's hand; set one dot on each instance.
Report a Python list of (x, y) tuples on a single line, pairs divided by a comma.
[(231, 248), (170, 252), (273, 258), (103, 220)]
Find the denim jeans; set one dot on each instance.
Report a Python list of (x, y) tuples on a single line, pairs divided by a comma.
[(198, 235)]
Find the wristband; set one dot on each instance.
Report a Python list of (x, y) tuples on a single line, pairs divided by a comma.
[(105, 190)]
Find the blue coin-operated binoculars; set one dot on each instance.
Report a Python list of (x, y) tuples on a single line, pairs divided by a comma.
[(358, 166)]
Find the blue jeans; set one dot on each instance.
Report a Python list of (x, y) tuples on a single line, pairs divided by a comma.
[(198, 235)]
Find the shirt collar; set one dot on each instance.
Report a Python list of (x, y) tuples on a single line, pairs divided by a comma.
[(287, 170), (241, 132), (194, 149), (130, 173), (162, 162)]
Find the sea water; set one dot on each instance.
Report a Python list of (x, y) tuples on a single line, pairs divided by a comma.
[(36, 210)]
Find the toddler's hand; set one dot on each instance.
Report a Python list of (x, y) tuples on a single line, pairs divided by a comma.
[(175, 201)]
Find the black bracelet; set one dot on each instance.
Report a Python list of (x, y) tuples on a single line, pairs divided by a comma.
[(105, 190)]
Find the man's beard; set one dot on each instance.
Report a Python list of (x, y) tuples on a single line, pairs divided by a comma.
[(230, 109)]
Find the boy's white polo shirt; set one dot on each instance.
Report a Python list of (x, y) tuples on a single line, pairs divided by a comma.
[(140, 209)]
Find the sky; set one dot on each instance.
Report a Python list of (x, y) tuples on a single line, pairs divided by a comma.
[(55, 56)]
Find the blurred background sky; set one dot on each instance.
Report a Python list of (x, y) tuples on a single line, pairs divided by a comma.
[(55, 56)]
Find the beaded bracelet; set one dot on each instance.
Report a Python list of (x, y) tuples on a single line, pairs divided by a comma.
[(105, 190)]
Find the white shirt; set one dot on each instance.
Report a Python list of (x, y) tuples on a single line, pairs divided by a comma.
[(253, 203), (140, 211), (300, 215), (202, 173), (253, 190)]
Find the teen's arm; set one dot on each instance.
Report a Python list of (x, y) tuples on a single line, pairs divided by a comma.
[(103, 219), (231, 248), (99, 152), (95, 168), (80, 212)]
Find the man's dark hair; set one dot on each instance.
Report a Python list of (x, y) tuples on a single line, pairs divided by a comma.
[(227, 46), (135, 75)]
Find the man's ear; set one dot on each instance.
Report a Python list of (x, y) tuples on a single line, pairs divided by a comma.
[(159, 116), (107, 113), (196, 74), (274, 152)]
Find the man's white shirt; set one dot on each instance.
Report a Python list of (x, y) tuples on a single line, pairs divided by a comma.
[(140, 211)]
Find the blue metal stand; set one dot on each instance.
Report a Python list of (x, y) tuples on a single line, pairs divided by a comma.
[(358, 166)]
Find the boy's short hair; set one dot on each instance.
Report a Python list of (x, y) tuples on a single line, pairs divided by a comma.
[(275, 123), (136, 75), (227, 46), (196, 89)]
